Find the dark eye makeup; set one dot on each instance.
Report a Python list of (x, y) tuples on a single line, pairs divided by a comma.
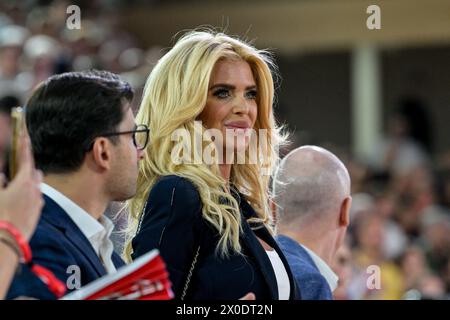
[(223, 93)]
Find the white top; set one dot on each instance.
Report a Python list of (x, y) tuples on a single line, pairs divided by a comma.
[(324, 269), (284, 286), (97, 232)]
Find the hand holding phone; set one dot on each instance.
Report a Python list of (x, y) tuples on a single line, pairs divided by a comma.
[(21, 200), (17, 127)]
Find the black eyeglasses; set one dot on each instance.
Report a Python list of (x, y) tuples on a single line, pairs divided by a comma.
[(140, 136)]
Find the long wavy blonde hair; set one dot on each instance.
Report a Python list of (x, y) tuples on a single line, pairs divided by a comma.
[(174, 96)]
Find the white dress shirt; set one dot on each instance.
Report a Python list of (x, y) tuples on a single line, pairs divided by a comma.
[(284, 286), (324, 269), (97, 232)]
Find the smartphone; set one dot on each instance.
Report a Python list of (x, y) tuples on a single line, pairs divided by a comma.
[(17, 127)]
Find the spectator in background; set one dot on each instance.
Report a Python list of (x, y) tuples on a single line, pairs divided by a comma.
[(409, 139), (415, 193), (312, 203), (446, 277), (435, 238), (431, 287), (13, 79), (395, 240), (369, 251), (42, 52), (342, 266), (414, 267)]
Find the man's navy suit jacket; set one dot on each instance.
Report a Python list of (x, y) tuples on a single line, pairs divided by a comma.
[(310, 282), (59, 245)]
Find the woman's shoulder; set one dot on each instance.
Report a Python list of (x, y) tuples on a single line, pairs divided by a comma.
[(176, 188), (174, 181)]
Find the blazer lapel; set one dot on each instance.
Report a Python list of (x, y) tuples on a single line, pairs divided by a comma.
[(85, 247), (264, 260), (117, 261), (56, 216), (253, 245), (264, 234)]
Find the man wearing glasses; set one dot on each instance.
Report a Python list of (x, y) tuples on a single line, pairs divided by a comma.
[(86, 143)]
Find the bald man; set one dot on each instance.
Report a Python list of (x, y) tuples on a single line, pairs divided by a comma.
[(312, 206)]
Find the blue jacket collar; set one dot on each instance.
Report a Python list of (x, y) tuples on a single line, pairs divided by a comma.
[(53, 214), (292, 246)]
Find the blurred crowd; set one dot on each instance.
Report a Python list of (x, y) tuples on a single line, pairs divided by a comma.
[(35, 43), (400, 219)]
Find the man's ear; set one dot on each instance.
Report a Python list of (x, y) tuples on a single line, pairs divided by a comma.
[(101, 153), (344, 215)]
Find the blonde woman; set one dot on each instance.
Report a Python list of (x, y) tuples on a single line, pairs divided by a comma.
[(207, 212)]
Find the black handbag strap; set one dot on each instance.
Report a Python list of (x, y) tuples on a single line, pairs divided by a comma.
[(189, 276)]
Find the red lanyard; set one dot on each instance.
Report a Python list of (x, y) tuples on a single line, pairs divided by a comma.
[(55, 285)]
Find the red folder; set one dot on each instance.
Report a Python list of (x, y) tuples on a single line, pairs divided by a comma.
[(146, 278)]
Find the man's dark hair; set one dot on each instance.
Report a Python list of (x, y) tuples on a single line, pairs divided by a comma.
[(68, 111)]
